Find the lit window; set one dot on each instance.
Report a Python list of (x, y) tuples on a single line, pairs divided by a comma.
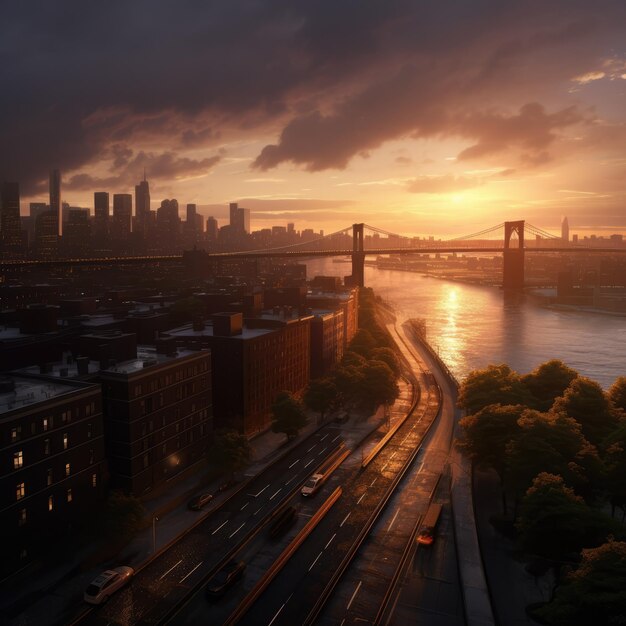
[(21, 520), (18, 459), (15, 434), (90, 457), (67, 469), (65, 440), (45, 423), (69, 495), (50, 503), (94, 480), (20, 491), (49, 476)]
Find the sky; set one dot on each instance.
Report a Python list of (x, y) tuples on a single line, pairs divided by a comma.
[(415, 116)]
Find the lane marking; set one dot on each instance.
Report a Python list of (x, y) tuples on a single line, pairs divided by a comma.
[(311, 448), (314, 562), (354, 595), (272, 497), (329, 541), (258, 510), (190, 573), (296, 461), (337, 437), (309, 463), (224, 524), (324, 450), (245, 505), (292, 478), (235, 532), (382, 469), (324, 437), (394, 454), (372, 483), (256, 495), (279, 610), (393, 520), (361, 498), (170, 569), (344, 519)]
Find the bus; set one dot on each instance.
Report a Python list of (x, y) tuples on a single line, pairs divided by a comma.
[(426, 534)]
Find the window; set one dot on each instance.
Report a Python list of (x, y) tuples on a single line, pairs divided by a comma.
[(67, 469), (94, 480), (50, 503), (45, 423), (46, 446), (91, 457), (65, 441), (20, 491), (89, 430), (69, 495), (21, 519), (15, 434), (65, 416), (18, 459), (49, 476)]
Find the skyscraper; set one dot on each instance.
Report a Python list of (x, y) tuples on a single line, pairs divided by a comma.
[(142, 199), (239, 219), (122, 218), (101, 214), (565, 229), (55, 199), (11, 235)]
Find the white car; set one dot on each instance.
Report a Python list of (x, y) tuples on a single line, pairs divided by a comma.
[(107, 583), (312, 485)]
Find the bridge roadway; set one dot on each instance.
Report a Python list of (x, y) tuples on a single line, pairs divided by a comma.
[(169, 578), (291, 596), (428, 588)]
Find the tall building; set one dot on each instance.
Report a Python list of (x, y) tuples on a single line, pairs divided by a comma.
[(101, 215), (191, 217), (11, 235), (142, 199), (122, 218), (168, 225), (239, 219), (55, 199), (565, 229), (47, 234), (77, 237), (211, 229)]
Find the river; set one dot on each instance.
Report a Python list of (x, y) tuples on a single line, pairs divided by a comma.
[(473, 326)]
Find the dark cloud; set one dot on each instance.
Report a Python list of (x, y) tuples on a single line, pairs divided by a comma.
[(339, 79)]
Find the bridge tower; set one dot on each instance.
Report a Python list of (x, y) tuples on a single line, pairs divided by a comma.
[(513, 270), (358, 256)]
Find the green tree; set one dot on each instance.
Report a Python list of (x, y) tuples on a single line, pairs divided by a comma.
[(594, 593), (615, 461), (554, 444), (549, 381), (353, 358), (321, 395), (121, 518), (617, 393), (554, 522), (585, 401), (288, 415), (348, 379), (496, 384), (363, 342), (388, 356), (230, 451), (378, 385), (486, 435)]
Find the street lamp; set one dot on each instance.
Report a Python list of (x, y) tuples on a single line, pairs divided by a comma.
[(155, 519)]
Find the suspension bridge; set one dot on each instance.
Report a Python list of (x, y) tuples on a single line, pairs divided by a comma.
[(507, 238)]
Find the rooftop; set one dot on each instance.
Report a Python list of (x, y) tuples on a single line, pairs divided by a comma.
[(246, 333), (147, 356)]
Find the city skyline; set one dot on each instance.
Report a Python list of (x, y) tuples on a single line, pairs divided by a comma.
[(434, 120)]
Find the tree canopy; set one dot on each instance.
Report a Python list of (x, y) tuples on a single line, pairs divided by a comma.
[(321, 395), (617, 393), (288, 415), (549, 381), (378, 385), (388, 356), (230, 451)]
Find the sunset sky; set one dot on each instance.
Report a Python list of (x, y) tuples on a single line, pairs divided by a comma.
[(417, 117)]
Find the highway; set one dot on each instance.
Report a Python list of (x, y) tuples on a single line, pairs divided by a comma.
[(160, 586)]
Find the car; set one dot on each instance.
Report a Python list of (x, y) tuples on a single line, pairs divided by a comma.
[(196, 503), (284, 520), (107, 583), (224, 579), (312, 485), (342, 419)]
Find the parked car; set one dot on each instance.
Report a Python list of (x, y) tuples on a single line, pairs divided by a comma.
[(224, 579), (312, 485), (342, 419), (283, 521), (197, 502), (107, 583)]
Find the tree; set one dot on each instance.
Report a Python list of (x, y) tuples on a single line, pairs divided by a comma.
[(595, 593), (230, 451), (288, 415), (348, 379), (554, 444), (486, 435), (121, 518), (548, 382), (388, 356), (554, 522), (615, 461), (496, 384), (378, 385), (320, 395), (617, 393), (353, 358), (585, 401), (363, 343)]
